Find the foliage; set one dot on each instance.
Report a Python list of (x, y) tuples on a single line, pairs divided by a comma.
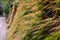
[(5, 6)]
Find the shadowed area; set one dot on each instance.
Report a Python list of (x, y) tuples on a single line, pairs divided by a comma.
[(1, 12)]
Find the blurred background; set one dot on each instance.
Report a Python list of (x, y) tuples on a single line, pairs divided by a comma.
[(5, 7)]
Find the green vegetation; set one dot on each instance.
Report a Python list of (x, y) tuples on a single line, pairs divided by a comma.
[(5, 4)]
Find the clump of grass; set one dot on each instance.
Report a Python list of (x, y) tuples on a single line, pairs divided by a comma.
[(35, 19), (55, 36)]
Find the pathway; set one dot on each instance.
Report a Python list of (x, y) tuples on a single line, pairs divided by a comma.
[(3, 28)]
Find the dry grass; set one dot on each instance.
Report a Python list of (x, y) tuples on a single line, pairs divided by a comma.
[(35, 19)]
